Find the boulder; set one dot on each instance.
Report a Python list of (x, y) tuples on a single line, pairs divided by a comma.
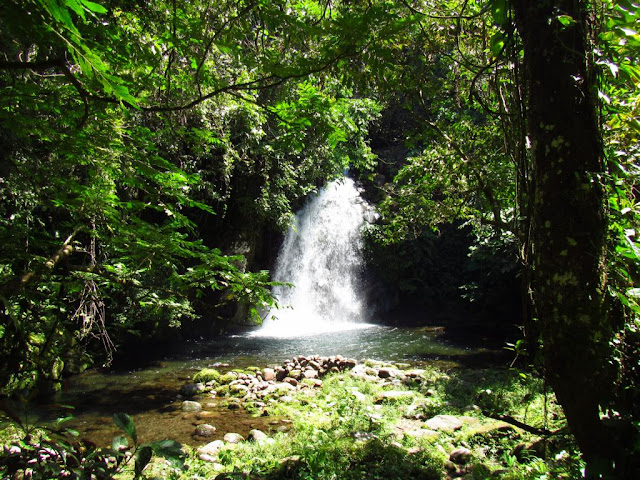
[(349, 363), (310, 373), (268, 374), (233, 438), (207, 375), (460, 455), (291, 381), (228, 377), (191, 389), (445, 423), (211, 448), (205, 430), (257, 436), (190, 406), (386, 372)]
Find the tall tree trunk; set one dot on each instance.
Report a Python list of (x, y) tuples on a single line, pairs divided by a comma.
[(568, 218)]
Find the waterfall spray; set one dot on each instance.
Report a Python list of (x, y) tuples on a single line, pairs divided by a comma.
[(322, 257)]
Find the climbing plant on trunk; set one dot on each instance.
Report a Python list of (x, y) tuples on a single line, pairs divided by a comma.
[(567, 247)]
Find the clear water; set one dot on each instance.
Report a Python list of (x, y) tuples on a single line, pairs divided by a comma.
[(150, 394)]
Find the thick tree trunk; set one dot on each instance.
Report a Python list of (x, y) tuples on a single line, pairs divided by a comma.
[(568, 217)]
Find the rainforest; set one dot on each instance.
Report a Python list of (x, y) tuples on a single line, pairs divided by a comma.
[(319, 239)]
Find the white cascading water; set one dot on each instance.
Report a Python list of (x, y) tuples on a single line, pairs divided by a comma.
[(322, 257)]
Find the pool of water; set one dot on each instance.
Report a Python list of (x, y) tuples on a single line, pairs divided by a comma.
[(150, 395)]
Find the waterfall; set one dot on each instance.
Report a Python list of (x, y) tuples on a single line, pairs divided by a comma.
[(322, 257)]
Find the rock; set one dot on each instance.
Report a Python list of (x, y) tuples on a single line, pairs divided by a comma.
[(450, 466), (350, 363), (191, 389), (238, 390), (211, 448), (257, 436), (189, 406), (205, 430), (233, 438), (207, 375), (207, 458), (394, 396), (310, 373), (537, 448), (358, 395), (268, 374), (421, 433), (204, 414), (228, 377), (385, 372), (291, 381), (314, 365), (445, 423), (281, 374), (460, 455)]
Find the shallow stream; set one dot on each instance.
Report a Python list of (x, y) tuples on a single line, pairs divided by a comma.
[(150, 395)]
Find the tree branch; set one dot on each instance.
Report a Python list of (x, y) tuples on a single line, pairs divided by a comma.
[(65, 250)]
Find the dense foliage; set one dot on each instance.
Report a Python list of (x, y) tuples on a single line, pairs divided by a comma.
[(145, 146), (132, 150)]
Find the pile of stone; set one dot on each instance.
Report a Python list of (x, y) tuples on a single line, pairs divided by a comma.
[(263, 384), (257, 387)]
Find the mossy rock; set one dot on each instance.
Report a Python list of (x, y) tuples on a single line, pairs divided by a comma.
[(238, 390), (223, 390), (228, 377), (207, 375)]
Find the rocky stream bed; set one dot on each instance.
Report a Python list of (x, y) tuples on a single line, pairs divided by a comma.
[(461, 439)]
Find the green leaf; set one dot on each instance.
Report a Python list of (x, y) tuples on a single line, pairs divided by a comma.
[(566, 20), (125, 423), (142, 460), (119, 443), (499, 11), (497, 43), (93, 7), (169, 449)]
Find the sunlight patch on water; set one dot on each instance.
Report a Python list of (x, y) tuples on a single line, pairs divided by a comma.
[(288, 325)]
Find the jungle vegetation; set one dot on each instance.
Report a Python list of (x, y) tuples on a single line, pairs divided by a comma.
[(146, 147)]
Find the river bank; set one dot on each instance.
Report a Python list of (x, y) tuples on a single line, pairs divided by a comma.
[(314, 417), (337, 418)]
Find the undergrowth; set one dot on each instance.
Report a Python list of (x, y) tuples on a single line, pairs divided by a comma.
[(345, 431)]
